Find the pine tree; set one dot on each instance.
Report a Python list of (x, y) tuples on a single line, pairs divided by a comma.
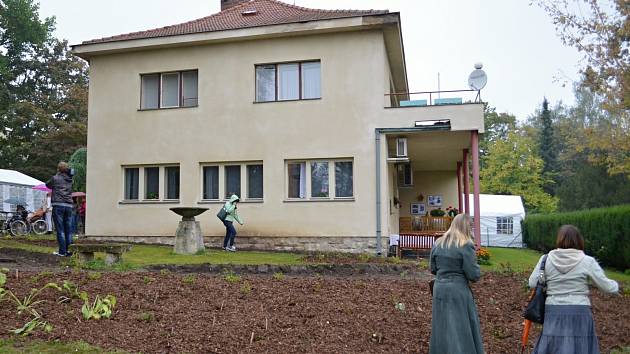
[(547, 148)]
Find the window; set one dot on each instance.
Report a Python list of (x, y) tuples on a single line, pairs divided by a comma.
[(290, 81), (319, 179), (224, 179), (131, 183), (297, 180), (405, 175), (505, 225), (172, 182), (232, 181), (211, 182), (255, 181), (343, 179), (323, 178), (169, 90), (151, 180)]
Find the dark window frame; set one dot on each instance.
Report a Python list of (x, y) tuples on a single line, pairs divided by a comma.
[(180, 84), (277, 86)]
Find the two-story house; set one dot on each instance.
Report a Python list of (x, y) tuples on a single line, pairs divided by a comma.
[(296, 110)]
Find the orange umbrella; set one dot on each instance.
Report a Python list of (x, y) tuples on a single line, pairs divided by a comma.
[(527, 325)]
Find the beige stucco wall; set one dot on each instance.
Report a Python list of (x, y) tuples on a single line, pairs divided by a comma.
[(427, 183), (228, 127)]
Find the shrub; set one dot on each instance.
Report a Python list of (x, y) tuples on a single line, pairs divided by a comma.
[(605, 232), (437, 212), (483, 256)]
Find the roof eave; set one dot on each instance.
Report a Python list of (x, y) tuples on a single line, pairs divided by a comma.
[(86, 51)]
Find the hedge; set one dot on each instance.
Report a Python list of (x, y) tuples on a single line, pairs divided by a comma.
[(606, 233)]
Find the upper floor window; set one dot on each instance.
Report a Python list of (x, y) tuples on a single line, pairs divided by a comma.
[(169, 90), (289, 81)]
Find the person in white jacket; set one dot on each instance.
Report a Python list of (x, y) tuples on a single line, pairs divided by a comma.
[(569, 326)]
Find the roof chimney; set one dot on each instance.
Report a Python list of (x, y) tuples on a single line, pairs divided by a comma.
[(226, 4)]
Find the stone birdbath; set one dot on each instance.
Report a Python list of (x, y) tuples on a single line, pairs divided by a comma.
[(188, 238)]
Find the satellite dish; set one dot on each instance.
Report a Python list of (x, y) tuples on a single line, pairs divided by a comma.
[(478, 78)]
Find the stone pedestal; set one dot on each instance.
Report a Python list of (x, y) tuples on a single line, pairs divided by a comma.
[(188, 238)]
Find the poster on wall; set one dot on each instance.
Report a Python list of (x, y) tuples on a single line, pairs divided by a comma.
[(435, 200), (418, 209)]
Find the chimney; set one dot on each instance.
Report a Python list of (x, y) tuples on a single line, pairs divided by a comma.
[(226, 4)]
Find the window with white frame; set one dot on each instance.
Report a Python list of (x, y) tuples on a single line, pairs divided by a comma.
[(147, 182), (505, 225), (288, 81), (169, 90), (225, 179), (318, 179)]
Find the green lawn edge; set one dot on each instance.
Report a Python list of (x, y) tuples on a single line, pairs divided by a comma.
[(14, 346)]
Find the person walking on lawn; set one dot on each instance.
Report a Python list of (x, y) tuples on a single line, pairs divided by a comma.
[(569, 327), (61, 185), (232, 215), (455, 323)]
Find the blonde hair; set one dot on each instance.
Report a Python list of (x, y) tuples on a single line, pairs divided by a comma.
[(458, 234), (63, 166)]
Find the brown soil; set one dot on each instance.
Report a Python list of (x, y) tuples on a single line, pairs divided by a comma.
[(163, 312)]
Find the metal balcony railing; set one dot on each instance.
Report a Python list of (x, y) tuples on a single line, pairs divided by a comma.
[(433, 98)]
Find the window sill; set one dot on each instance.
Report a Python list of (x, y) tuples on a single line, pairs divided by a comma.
[(318, 200), (244, 201), (168, 201), (279, 101), (165, 108)]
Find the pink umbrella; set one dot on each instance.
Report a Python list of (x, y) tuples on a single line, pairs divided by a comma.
[(78, 194), (42, 187)]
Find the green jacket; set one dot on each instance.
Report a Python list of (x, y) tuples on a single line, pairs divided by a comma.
[(230, 208)]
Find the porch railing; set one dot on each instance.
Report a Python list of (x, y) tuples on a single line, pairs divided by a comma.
[(433, 98), (424, 224)]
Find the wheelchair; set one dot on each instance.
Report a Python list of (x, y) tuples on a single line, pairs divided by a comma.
[(19, 224)]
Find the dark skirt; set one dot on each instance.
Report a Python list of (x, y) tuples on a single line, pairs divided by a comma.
[(568, 329)]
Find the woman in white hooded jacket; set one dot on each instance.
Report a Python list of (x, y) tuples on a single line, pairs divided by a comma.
[(569, 326)]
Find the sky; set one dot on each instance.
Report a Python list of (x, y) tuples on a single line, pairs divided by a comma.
[(516, 42)]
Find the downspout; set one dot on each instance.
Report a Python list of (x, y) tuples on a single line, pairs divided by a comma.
[(378, 192)]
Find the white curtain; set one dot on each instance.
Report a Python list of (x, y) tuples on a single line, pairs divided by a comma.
[(311, 80), (303, 180), (150, 85), (170, 90), (265, 83), (288, 82)]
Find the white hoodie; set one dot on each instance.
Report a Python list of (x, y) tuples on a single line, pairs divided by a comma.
[(567, 272)]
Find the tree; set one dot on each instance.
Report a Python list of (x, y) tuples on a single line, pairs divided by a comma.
[(602, 34), (43, 92), (497, 126), (512, 166), (547, 147), (78, 161)]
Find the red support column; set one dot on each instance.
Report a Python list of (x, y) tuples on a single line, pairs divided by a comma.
[(459, 187), (466, 183), (474, 141)]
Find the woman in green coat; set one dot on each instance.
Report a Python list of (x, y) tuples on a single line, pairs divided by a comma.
[(455, 323)]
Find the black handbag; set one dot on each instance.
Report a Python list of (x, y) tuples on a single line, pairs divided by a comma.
[(431, 283), (222, 214), (535, 310)]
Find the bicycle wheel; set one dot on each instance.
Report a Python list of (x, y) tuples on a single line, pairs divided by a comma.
[(18, 228), (39, 227)]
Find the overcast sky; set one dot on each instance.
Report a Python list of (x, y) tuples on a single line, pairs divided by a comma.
[(516, 43)]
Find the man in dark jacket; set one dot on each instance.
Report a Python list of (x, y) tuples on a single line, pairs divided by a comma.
[(61, 185)]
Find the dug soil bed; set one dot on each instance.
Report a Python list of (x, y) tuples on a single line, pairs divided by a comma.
[(23, 260), (163, 312)]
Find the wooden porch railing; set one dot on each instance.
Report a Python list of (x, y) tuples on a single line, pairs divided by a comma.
[(426, 224)]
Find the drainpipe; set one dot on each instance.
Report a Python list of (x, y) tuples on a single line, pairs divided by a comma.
[(378, 192)]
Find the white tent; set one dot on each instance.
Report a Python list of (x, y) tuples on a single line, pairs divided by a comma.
[(500, 217), (14, 184)]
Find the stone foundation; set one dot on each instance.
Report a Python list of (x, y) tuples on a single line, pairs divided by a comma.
[(351, 244)]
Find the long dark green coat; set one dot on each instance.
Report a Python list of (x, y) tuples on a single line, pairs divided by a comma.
[(455, 323)]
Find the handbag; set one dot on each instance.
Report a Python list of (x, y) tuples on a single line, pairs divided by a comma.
[(431, 283), (222, 214), (535, 310)]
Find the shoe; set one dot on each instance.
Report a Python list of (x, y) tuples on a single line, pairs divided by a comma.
[(69, 254), (59, 254), (231, 248)]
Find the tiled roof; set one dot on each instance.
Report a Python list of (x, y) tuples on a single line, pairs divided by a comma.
[(253, 13)]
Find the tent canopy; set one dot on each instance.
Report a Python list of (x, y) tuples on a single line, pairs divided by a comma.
[(498, 205), (15, 177)]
